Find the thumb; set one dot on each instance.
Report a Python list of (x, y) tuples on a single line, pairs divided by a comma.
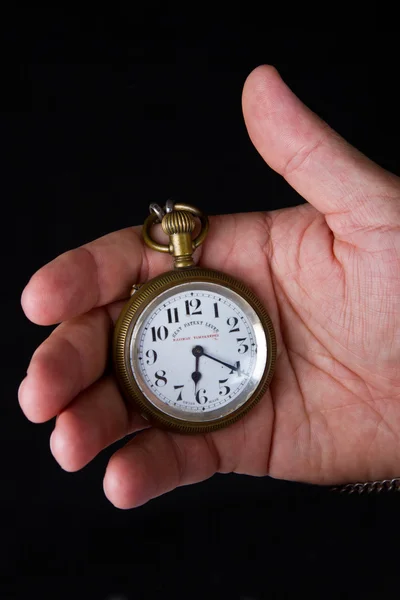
[(352, 191)]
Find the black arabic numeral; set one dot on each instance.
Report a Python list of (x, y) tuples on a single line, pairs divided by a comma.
[(152, 356), (178, 387), (242, 347), (161, 380), (161, 333), (232, 322), (216, 313), (194, 304), (237, 368), (201, 398), (173, 316), (224, 389)]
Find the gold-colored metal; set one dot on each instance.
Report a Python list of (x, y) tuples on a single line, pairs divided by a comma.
[(149, 222), (135, 288), (125, 325), (179, 225)]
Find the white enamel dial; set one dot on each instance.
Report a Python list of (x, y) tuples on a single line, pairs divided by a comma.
[(198, 351)]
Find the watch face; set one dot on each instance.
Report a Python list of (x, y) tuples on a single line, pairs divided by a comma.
[(198, 351)]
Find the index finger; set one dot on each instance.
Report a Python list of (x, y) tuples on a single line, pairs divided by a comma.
[(92, 275)]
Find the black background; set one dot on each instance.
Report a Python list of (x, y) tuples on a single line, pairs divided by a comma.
[(102, 114)]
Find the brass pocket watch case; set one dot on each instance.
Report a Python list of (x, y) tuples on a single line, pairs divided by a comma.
[(194, 349)]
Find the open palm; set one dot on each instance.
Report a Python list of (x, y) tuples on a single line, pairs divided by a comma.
[(328, 273)]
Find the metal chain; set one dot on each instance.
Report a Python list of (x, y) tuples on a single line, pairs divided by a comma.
[(156, 209), (385, 485)]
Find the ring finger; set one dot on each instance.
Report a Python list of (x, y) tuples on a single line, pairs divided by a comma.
[(97, 418)]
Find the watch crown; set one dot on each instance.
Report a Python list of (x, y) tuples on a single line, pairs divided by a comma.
[(179, 225), (177, 222)]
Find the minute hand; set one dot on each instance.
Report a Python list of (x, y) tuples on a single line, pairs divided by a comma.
[(234, 368)]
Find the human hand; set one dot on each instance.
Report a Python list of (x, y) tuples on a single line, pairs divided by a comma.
[(328, 273)]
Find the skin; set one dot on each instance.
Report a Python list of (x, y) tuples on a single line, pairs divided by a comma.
[(328, 273)]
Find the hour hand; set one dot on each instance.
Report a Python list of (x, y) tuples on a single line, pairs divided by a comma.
[(196, 375)]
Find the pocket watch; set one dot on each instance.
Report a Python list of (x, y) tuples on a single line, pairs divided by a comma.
[(194, 349)]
